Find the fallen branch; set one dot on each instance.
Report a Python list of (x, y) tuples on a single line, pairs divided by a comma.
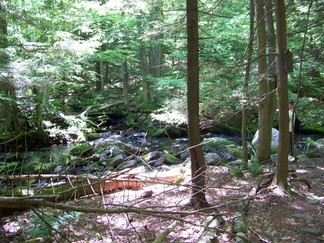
[(64, 187), (106, 107), (162, 237)]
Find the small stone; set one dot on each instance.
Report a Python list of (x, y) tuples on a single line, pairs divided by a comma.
[(309, 218), (313, 231), (147, 194), (298, 215)]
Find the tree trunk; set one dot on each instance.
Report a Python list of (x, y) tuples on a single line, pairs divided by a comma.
[(264, 142), (39, 98), (198, 165), (246, 87), (147, 92), (281, 175), (125, 83), (272, 72), (155, 55), (8, 105), (98, 75)]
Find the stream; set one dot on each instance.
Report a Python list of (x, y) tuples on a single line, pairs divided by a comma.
[(110, 150)]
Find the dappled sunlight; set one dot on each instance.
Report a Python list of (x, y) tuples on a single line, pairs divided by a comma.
[(302, 171), (320, 168), (171, 117)]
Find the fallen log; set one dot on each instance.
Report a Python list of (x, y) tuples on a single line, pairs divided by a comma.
[(66, 187)]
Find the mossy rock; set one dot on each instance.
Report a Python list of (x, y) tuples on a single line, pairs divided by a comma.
[(81, 149), (170, 159), (218, 143), (315, 149), (169, 131), (43, 168), (237, 152), (152, 156), (92, 136)]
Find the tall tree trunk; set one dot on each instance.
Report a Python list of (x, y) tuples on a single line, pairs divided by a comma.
[(246, 87), (198, 165), (281, 175), (264, 142), (272, 72), (8, 105), (125, 83), (39, 98), (98, 76), (155, 54), (147, 91)]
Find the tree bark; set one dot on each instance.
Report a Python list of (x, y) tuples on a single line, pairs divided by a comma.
[(264, 142), (98, 76), (147, 92), (272, 72), (281, 175), (9, 105), (125, 83), (198, 165), (155, 54), (246, 87)]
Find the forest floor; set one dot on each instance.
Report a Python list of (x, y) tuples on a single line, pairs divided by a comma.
[(271, 216)]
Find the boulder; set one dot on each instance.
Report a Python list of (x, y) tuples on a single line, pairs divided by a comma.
[(157, 162), (212, 158), (315, 149), (274, 140), (117, 160), (127, 164)]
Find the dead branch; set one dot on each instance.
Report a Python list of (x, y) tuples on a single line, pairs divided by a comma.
[(162, 237)]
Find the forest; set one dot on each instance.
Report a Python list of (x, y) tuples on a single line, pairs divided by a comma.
[(136, 121)]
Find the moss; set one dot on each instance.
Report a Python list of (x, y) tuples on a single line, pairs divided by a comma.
[(92, 136), (216, 142), (238, 153), (274, 150), (81, 149), (170, 159)]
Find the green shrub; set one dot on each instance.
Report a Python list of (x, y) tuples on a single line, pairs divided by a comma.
[(237, 172), (255, 168)]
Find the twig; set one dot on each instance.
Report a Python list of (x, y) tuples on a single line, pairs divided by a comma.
[(259, 236), (49, 226)]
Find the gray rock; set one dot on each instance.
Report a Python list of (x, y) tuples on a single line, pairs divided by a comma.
[(315, 149), (298, 215), (274, 141), (309, 218), (117, 160), (114, 151), (305, 216), (157, 162), (153, 155), (313, 231), (212, 159), (237, 162), (127, 164)]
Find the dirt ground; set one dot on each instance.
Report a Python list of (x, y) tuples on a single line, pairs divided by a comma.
[(270, 215)]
